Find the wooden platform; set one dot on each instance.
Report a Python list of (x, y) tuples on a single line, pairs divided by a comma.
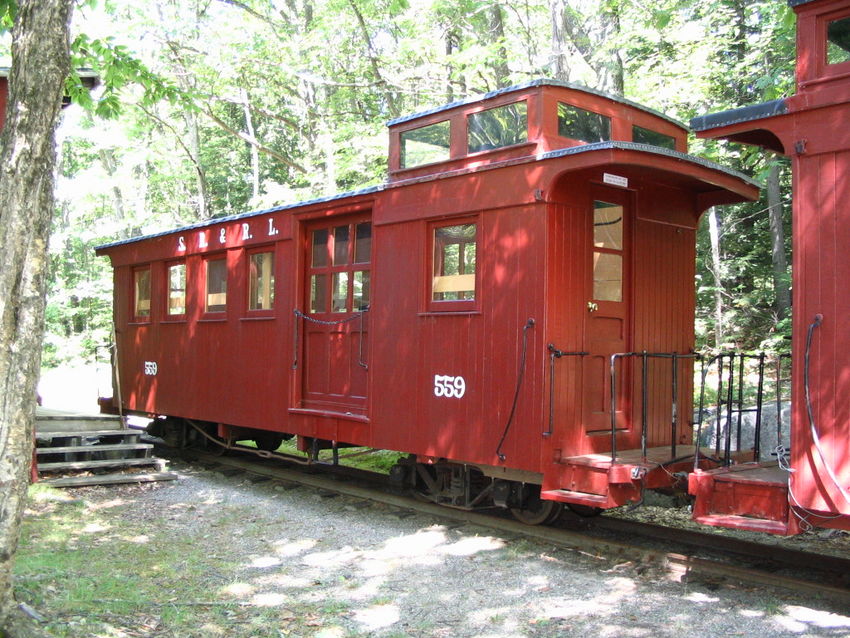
[(654, 456), (73, 448), (750, 496)]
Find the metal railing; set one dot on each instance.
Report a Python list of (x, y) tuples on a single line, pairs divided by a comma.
[(674, 358), (738, 394)]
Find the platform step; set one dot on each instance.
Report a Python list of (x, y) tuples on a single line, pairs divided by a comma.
[(111, 447), (46, 435), (579, 498), (748, 496), (76, 422), (734, 521), (110, 479), (89, 465)]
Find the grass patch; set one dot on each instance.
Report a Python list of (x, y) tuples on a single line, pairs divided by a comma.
[(362, 458), (88, 571)]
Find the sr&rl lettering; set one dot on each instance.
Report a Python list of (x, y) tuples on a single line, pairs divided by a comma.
[(246, 234)]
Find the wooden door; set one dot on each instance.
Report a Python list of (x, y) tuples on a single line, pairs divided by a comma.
[(336, 320), (607, 250)]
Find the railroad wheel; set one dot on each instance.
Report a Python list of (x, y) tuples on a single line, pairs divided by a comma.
[(585, 511), (537, 512), (268, 441)]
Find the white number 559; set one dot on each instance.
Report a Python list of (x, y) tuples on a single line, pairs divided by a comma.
[(448, 386)]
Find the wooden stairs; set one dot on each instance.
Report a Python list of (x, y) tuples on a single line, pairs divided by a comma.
[(74, 449)]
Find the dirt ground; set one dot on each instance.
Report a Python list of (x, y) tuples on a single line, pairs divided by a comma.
[(220, 554)]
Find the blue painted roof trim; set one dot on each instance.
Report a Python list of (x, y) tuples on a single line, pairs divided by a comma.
[(255, 213), (648, 148), (529, 85), (743, 114)]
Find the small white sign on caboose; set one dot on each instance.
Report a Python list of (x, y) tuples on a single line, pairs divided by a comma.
[(615, 180)]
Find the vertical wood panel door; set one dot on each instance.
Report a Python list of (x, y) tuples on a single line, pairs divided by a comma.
[(607, 249), (335, 328)]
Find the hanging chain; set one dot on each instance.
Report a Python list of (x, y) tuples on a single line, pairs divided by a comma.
[(338, 322), (300, 315)]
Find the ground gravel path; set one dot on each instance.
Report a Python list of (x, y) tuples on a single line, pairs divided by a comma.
[(302, 562)]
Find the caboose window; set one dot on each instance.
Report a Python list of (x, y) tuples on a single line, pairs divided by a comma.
[(142, 292), (581, 125), (646, 136), (838, 41), (425, 145), (216, 285), (454, 263), (340, 271), (498, 127), (261, 281), (177, 289)]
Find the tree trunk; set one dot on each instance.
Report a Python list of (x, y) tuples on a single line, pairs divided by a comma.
[(777, 234), (499, 64), (590, 35), (716, 271), (255, 152), (560, 59), (40, 63)]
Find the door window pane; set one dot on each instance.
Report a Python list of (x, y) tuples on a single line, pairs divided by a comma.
[(261, 281), (320, 248), (363, 243), (361, 290), (607, 225), (318, 293), (341, 234), (454, 263), (177, 289), (216, 285), (142, 295), (607, 277), (340, 292)]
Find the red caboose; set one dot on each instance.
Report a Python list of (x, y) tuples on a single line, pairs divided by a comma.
[(514, 307), (812, 128)]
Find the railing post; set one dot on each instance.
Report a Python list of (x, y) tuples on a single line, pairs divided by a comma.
[(613, 408), (759, 404), (675, 406), (730, 391), (644, 396)]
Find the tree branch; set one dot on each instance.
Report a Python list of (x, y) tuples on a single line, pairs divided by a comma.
[(254, 142)]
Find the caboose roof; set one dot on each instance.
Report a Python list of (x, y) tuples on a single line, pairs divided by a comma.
[(565, 152), (528, 85)]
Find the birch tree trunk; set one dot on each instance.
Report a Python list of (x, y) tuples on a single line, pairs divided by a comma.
[(717, 273), (40, 63), (781, 289)]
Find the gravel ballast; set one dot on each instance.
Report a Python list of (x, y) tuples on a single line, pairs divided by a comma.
[(315, 564)]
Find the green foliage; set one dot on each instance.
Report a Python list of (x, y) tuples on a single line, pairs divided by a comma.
[(8, 9), (117, 69), (215, 108)]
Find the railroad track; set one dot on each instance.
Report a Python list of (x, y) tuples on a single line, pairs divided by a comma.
[(682, 554)]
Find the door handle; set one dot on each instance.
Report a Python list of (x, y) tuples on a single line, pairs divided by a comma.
[(592, 306)]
